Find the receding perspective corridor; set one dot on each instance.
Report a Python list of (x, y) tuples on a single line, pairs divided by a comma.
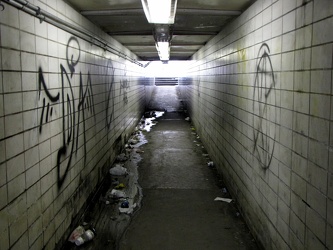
[(166, 124)]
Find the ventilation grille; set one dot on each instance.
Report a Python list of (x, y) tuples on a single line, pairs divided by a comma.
[(166, 81)]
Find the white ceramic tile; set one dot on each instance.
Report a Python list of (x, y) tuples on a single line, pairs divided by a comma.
[(288, 41), (267, 32), (3, 195), (322, 9), (13, 124), (287, 80), (297, 226), (288, 6), (14, 145), (316, 224), (2, 127), (3, 172), (320, 34), (11, 82), (44, 149), (32, 175), (16, 187), (41, 28), (319, 104), (28, 61), (289, 21), (319, 129), (35, 230), (303, 37), (300, 147), (27, 22), (30, 100), (45, 166), (41, 46), (318, 154), (329, 239), (10, 37), (29, 81), (52, 32), (321, 57), (317, 177), (288, 61), (277, 10), (303, 59), (12, 103), (31, 138), (28, 42), (15, 167), (30, 120), (52, 48), (17, 229), (11, 60), (10, 17), (321, 81)]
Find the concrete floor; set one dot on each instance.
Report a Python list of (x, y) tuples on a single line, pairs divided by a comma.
[(178, 210)]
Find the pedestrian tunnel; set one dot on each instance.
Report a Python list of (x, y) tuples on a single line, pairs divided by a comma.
[(252, 78)]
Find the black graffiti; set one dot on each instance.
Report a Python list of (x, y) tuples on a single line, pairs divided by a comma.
[(52, 98), (124, 86), (72, 50), (264, 132), (66, 99), (110, 93)]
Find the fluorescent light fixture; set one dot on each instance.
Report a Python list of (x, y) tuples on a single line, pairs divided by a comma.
[(163, 49), (160, 11)]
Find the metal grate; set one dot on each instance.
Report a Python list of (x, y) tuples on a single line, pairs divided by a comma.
[(166, 81)]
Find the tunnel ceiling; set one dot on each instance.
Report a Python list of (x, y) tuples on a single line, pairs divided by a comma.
[(196, 22)]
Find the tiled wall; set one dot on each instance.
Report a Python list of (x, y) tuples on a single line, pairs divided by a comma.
[(260, 95), (66, 107)]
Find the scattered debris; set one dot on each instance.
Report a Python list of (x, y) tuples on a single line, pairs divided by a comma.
[(187, 119), (79, 235), (127, 210), (210, 164), (224, 190), (223, 199), (120, 186), (118, 170), (122, 157), (117, 194)]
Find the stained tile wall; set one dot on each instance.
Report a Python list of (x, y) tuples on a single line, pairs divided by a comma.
[(260, 95), (66, 107)]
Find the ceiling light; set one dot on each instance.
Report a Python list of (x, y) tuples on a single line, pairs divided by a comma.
[(163, 49), (160, 11)]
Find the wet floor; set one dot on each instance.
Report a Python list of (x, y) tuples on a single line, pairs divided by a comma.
[(178, 209)]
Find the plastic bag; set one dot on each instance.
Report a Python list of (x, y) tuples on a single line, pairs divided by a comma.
[(117, 194), (118, 170)]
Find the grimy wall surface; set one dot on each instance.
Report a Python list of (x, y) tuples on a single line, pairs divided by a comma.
[(66, 107), (260, 95)]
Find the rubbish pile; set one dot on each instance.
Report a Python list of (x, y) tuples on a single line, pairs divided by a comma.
[(80, 235), (123, 195)]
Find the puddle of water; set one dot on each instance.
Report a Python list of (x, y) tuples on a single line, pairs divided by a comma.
[(150, 121)]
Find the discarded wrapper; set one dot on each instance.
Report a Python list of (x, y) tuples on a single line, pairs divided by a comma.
[(223, 199), (128, 210), (118, 194), (77, 232)]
